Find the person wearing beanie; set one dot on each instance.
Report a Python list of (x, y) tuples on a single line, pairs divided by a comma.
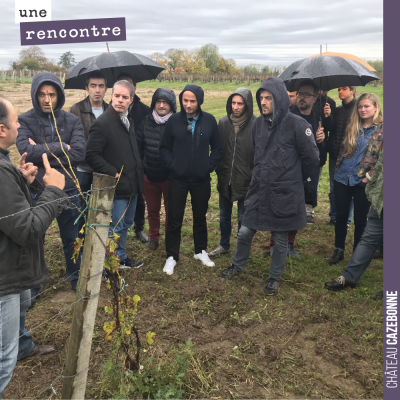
[(185, 151), (163, 106), (236, 165), (285, 155)]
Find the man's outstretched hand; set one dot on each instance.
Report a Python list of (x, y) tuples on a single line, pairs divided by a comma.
[(27, 169), (52, 176)]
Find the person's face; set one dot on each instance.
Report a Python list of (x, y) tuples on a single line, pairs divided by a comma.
[(162, 107), (266, 102), (96, 89), (121, 99), (8, 134), (190, 103), (305, 98), (366, 109), (238, 105), (46, 94), (345, 93), (323, 93), (292, 98)]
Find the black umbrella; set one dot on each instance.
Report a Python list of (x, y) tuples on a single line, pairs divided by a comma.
[(111, 65), (328, 72)]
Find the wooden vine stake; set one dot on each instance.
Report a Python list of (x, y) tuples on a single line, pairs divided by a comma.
[(84, 315)]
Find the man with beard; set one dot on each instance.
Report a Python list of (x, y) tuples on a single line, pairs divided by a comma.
[(185, 150), (163, 105), (237, 160), (285, 155), (293, 99)]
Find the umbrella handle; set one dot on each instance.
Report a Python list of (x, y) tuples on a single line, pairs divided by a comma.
[(326, 115), (320, 125)]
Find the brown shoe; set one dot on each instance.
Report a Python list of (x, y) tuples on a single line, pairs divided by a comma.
[(41, 351)]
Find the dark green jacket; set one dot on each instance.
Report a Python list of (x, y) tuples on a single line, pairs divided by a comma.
[(374, 188), (237, 161), (22, 263)]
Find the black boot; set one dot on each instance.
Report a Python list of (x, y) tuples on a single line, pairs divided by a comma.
[(229, 273), (339, 284), (338, 255)]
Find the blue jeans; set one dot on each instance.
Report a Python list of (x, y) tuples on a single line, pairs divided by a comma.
[(243, 247), (225, 219), (332, 210), (371, 240), (119, 207), (12, 326), (68, 233)]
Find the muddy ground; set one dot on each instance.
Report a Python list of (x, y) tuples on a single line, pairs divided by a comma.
[(303, 343)]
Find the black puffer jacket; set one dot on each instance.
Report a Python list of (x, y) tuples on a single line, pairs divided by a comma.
[(22, 262), (237, 160), (285, 154), (149, 138), (341, 116), (188, 156), (39, 126)]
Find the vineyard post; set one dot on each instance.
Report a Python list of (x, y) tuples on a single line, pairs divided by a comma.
[(84, 315)]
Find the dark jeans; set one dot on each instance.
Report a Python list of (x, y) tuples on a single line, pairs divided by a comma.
[(225, 219), (200, 193), (332, 210), (279, 257), (371, 240), (139, 215), (343, 197), (68, 233)]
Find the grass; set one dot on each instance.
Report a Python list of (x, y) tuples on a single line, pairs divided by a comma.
[(306, 342)]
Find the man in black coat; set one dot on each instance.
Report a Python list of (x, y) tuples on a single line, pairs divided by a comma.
[(138, 112), (112, 150), (149, 136), (185, 150), (38, 135), (285, 155), (341, 118), (236, 165), (22, 227)]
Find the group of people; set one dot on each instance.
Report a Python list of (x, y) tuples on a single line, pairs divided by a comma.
[(270, 165)]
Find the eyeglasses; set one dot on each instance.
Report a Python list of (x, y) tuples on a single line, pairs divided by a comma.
[(190, 127), (305, 95)]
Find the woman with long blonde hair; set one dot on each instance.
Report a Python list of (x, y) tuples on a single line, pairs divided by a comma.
[(358, 154)]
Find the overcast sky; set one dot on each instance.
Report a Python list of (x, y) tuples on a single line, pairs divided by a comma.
[(273, 32)]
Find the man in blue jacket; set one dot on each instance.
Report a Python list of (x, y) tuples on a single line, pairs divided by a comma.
[(185, 150), (37, 135)]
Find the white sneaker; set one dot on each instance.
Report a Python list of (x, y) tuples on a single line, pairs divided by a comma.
[(169, 266), (203, 257)]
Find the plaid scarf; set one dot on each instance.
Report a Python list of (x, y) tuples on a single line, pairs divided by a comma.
[(161, 120)]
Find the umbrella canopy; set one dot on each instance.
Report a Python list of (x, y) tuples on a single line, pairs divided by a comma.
[(346, 55), (111, 65), (329, 72)]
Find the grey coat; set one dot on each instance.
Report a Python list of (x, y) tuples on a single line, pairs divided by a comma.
[(237, 160), (285, 154)]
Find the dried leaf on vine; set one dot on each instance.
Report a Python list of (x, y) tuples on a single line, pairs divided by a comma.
[(108, 309), (76, 248), (82, 231), (150, 337)]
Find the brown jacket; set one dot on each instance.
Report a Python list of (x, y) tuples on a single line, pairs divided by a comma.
[(83, 110)]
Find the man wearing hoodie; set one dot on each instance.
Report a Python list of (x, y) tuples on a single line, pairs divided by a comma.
[(285, 155), (185, 150), (149, 136), (237, 160), (38, 135)]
